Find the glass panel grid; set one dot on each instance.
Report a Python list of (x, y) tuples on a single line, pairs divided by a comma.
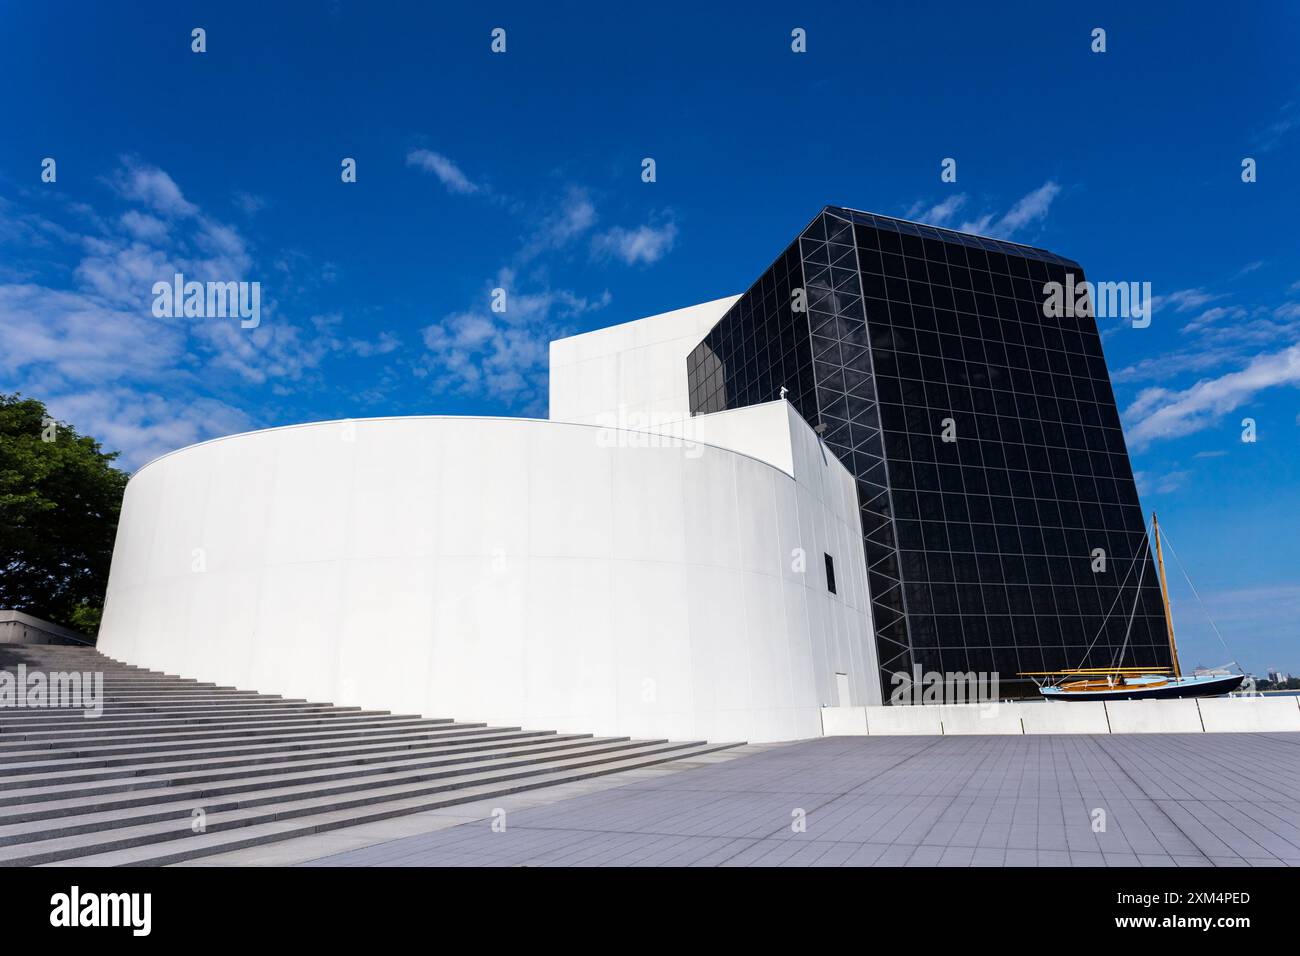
[(980, 549)]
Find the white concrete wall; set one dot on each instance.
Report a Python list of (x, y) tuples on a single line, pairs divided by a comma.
[(1266, 714), (512, 571), (1153, 717), (635, 371), (1192, 716)]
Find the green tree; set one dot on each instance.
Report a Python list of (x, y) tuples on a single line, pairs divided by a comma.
[(60, 497)]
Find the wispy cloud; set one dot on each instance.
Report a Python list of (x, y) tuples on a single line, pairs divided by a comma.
[(1167, 366), (1160, 413), (1287, 121), (248, 203), (1184, 300), (643, 245), (1161, 484), (569, 219), (503, 356), (85, 339), (448, 173), (941, 213), (1027, 210), (153, 188)]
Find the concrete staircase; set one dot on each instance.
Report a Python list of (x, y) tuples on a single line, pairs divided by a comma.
[(175, 769)]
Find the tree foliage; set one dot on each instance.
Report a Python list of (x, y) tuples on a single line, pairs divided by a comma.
[(60, 497)]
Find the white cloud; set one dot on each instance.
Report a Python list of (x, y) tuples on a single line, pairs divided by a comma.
[(1212, 316), (91, 348), (941, 213), (1160, 413), (143, 426), (154, 188), (503, 355), (1028, 209), (1288, 119), (248, 203), (448, 172), (1184, 300), (60, 338), (1162, 484), (1169, 365), (143, 226), (574, 215), (643, 245)]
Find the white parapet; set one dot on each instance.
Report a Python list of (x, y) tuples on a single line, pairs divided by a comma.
[(1238, 714), (890, 721), (991, 718), (1206, 715), (844, 721), (1065, 717), (1152, 716)]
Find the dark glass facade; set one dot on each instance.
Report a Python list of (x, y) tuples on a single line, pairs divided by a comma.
[(984, 436)]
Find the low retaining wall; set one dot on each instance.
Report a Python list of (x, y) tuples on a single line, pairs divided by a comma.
[(1209, 715), (16, 627)]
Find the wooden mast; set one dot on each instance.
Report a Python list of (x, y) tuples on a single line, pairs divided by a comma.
[(1164, 596)]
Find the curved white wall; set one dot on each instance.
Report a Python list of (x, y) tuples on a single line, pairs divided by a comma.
[(508, 570)]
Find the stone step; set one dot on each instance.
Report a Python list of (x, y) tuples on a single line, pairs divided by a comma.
[(244, 725), (180, 803), (122, 756), (55, 786), (178, 708), (225, 840), (120, 789), (57, 744), (67, 800), (355, 803), (235, 722)]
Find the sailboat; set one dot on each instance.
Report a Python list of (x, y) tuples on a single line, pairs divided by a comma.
[(1136, 683)]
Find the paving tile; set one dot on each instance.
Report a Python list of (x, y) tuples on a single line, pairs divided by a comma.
[(1170, 800)]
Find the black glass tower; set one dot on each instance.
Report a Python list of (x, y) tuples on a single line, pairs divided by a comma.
[(992, 472)]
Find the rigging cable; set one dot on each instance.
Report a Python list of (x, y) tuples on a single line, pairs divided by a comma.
[(1188, 579), (1088, 650), (1118, 660)]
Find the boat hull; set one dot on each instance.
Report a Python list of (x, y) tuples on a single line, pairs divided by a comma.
[(1174, 689)]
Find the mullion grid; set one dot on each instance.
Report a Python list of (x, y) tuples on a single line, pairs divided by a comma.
[(745, 359), (1031, 357), (855, 437), (1065, 641)]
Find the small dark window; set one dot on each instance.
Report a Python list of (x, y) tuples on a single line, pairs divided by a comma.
[(830, 573)]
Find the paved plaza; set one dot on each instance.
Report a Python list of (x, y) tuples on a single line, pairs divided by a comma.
[(1103, 800)]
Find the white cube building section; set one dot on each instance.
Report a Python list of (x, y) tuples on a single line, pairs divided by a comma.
[(636, 370)]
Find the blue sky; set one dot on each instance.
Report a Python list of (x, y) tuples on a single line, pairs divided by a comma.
[(523, 169)]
